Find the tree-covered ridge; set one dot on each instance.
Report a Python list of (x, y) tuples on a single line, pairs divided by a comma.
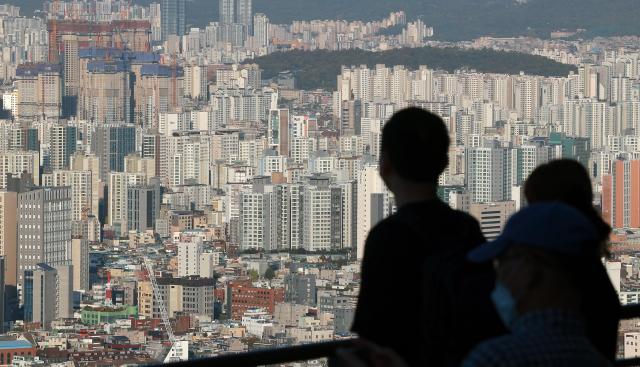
[(318, 69)]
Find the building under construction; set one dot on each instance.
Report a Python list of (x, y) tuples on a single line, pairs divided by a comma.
[(133, 35)]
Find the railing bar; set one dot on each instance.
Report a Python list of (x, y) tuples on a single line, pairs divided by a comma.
[(628, 362), (269, 356), (305, 352), (630, 312)]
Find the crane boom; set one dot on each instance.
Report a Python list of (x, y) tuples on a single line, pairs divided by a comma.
[(175, 347)]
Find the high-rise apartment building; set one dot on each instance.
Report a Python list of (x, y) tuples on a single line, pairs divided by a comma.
[(9, 236), (111, 143), (372, 203), (351, 117), (227, 11), (291, 216), (39, 91), (117, 206), (252, 213), (526, 158), (155, 15), (189, 253), (105, 92), (244, 15), (488, 174), (321, 205), (143, 207), (571, 147), (80, 262), (195, 81), (82, 192), (621, 194), (89, 162), (173, 16), (62, 144), (71, 74), (17, 162), (136, 164), (159, 90), (44, 228), (261, 30), (2, 293), (278, 131), (51, 295)]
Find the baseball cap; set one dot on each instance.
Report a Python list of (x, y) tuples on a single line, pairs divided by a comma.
[(550, 226)]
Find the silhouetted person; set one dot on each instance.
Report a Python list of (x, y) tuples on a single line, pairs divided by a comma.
[(540, 259), (418, 294), (567, 181)]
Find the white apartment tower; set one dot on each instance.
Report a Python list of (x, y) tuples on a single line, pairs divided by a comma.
[(44, 228), (488, 174), (372, 203), (189, 253)]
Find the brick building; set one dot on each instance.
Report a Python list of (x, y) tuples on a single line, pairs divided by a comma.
[(11, 348), (241, 296)]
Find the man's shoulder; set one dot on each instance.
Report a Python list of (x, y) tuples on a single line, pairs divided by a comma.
[(514, 350), (439, 218), (391, 227), (500, 351), (437, 210)]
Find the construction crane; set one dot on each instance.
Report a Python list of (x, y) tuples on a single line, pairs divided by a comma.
[(125, 7), (176, 348), (53, 32), (117, 40), (108, 294)]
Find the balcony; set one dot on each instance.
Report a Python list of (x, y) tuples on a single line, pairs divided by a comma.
[(313, 351)]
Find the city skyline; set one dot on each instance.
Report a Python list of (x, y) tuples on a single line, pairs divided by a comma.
[(177, 190)]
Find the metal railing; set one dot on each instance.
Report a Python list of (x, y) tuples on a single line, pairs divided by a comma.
[(277, 355), (306, 352)]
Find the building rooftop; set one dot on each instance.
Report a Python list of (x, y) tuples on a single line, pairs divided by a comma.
[(14, 344), (25, 70), (161, 70), (107, 66), (118, 54)]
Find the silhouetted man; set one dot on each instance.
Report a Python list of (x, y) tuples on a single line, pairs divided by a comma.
[(541, 258), (418, 294)]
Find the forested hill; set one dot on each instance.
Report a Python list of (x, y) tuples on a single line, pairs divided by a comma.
[(318, 69)]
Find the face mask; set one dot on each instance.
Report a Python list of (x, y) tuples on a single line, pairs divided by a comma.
[(505, 304)]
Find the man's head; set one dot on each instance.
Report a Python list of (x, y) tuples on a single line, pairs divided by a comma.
[(538, 258), (415, 145), (539, 279)]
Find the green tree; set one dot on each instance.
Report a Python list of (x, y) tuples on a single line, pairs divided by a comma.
[(270, 273), (254, 275), (318, 69)]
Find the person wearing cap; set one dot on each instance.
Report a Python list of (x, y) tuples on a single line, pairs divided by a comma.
[(539, 259), (568, 181)]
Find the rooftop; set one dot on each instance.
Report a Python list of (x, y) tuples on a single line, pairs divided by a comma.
[(102, 66), (161, 70), (26, 70), (14, 344)]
